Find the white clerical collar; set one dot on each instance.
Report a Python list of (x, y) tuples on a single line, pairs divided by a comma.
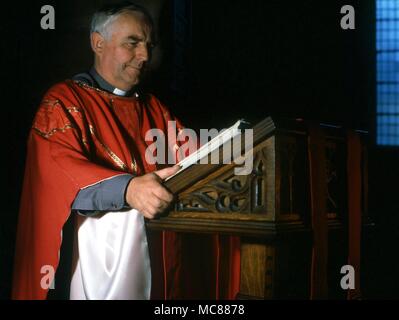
[(103, 84), (119, 92)]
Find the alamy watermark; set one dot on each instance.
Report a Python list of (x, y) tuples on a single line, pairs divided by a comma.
[(214, 147), (48, 279), (348, 280), (48, 19), (348, 20)]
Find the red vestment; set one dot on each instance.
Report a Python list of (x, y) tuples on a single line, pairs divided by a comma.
[(81, 136)]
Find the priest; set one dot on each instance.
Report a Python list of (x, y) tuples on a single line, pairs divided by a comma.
[(86, 164)]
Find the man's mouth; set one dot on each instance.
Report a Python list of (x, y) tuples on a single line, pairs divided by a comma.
[(134, 67)]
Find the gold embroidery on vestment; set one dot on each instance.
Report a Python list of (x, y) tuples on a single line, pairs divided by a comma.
[(111, 154), (73, 109), (51, 103), (51, 132), (134, 166)]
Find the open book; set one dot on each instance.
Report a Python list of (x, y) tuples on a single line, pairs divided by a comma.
[(212, 145)]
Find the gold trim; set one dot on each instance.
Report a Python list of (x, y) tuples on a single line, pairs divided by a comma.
[(51, 103), (109, 94), (85, 85), (134, 165), (73, 109), (53, 131), (111, 154), (85, 142)]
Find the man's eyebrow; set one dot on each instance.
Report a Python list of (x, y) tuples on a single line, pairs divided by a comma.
[(136, 38)]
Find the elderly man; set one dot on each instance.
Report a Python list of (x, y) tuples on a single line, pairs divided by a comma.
[(86, 155)]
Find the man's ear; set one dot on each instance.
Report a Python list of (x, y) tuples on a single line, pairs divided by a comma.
[(97, 42)]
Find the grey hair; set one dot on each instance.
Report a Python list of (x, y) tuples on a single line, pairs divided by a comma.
[(105, 16)]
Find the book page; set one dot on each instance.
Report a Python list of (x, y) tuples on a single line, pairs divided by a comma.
[(209, 147)]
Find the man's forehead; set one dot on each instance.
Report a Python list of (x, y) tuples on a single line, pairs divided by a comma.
[(132, 24)]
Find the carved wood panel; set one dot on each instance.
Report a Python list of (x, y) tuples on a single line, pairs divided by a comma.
[(230, 193)]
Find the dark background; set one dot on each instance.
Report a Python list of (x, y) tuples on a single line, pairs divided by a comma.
[(217, 61)]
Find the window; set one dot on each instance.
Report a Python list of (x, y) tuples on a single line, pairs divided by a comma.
[(387, 25)]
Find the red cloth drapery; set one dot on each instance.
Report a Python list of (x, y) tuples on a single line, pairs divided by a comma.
[(80, 136)]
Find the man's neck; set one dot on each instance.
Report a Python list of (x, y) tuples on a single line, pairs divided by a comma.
[(104, 84)]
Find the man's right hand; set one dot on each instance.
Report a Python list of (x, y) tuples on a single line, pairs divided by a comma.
[(147, 194)]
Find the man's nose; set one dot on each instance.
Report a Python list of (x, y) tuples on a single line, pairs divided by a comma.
[(142, 53)]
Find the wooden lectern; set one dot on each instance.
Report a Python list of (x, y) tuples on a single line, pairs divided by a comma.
[(273, 209)]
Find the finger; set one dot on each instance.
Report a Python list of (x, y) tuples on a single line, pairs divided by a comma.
[(155, 206), (158, 204), (149, 216), (162, 193), (166, 172), (144, 213), (148, 213)]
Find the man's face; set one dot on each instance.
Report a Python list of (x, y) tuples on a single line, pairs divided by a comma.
[(125, 51)]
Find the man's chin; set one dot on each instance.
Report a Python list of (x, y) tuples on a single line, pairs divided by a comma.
[(133, 79), (134, 83)]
